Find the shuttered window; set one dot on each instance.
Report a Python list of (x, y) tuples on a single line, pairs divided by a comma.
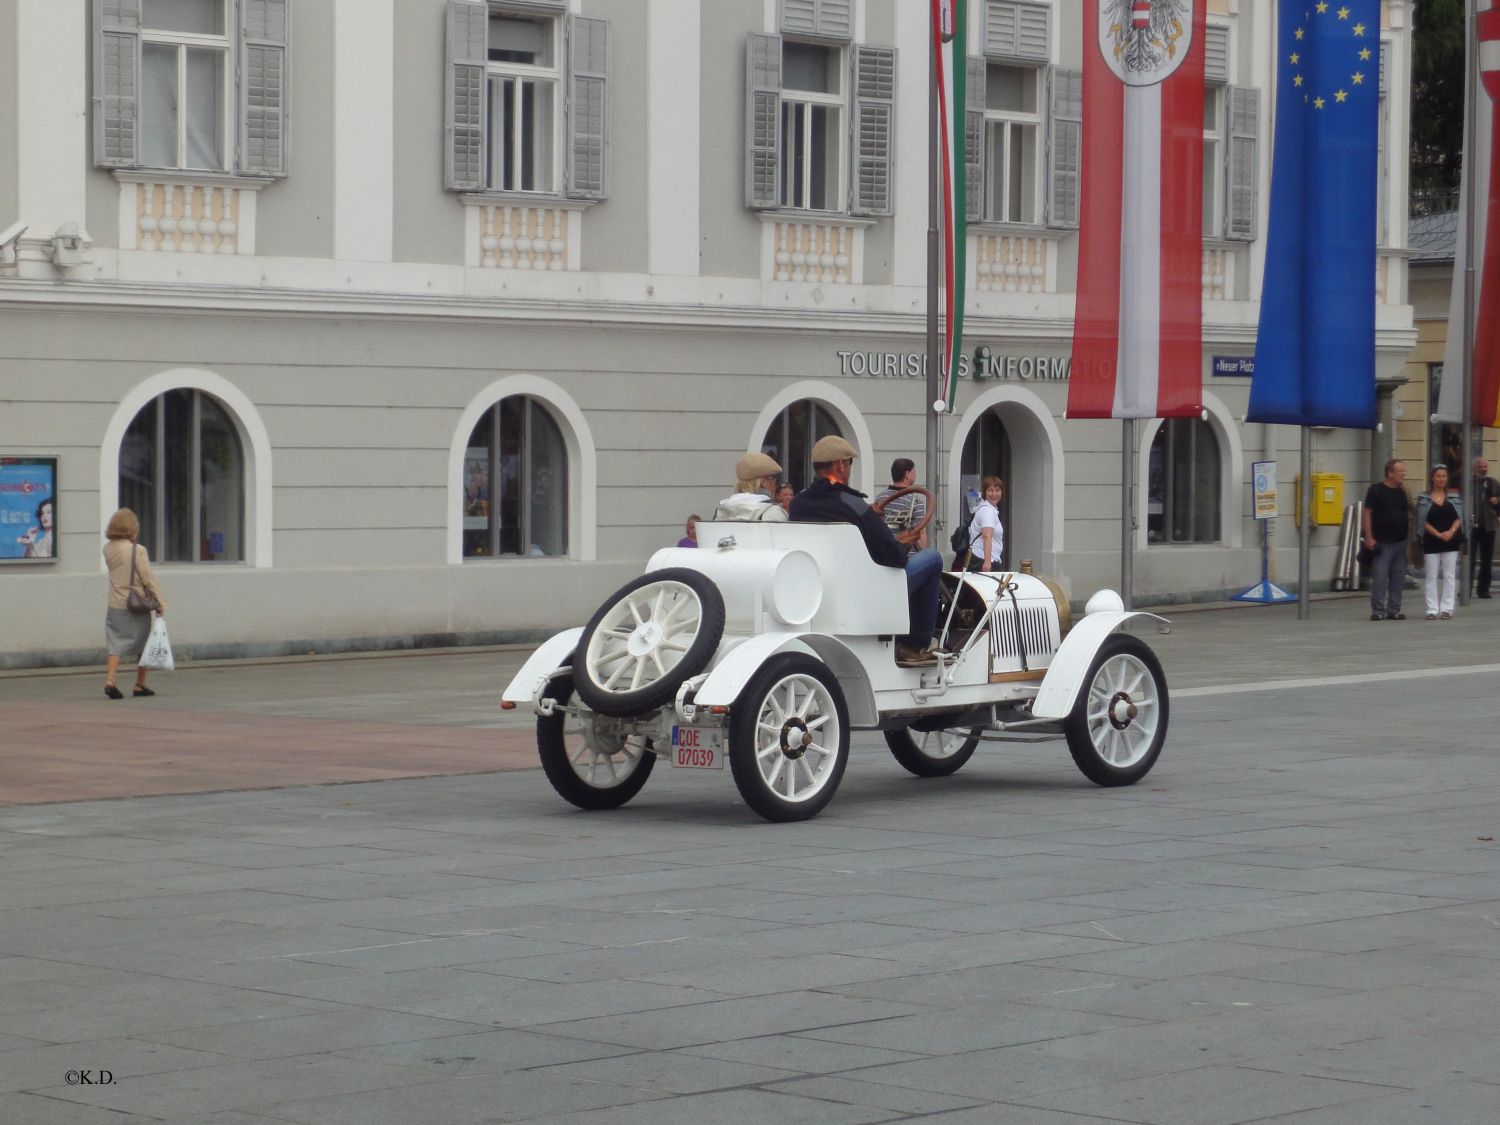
[(1216, 55), (197, 85), (1011, 183), (874, 128), (819, 19), (1018, 29), (1243, 202), (1064, 147), (526, 100), (819, 123), (1020, 163)]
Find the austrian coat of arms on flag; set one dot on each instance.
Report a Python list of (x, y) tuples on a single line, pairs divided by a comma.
[(1138, 326)]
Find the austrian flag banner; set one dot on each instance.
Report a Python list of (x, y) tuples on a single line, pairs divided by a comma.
[(1138, 329), (1483, 178)]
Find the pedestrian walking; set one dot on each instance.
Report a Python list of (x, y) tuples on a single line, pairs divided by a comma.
[(134, 600), (1440, 522), (1485, 519), (1386, 526)]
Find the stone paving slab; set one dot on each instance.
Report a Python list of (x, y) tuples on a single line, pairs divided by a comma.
[(1292, 919)]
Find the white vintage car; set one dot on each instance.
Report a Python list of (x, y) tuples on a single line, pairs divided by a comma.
[(769, 643)]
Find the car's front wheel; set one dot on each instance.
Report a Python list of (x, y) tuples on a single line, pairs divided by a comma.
[(588, 766), (932, 753), (789, 738), (1116, 729)]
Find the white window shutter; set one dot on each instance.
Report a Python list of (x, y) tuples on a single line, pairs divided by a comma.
[(1034, 32), (874, 124), (974, 96), (1064, 146), (117, 59), (836, 19), (1244, 149), (1016, 29), (799, 17), (1216, 56), (588, 79), (263, 87), (763, 121), (467, 49), (823, 19)]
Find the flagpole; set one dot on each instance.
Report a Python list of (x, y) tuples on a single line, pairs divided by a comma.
[(1304, 523), (1471, 135), (935, 374), (1127, 488)]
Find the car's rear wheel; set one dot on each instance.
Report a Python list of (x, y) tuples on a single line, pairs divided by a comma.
[(789, 738), (932, 753), (587, 766), (646, 639), (1116, 729)]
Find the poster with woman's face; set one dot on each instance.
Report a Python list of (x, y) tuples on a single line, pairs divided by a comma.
[(28, 508)]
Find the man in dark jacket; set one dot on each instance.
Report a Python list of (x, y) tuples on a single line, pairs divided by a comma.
[(829, 499), (1486, 517)]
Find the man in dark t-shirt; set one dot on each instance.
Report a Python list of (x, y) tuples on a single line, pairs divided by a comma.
[(1386, 525)]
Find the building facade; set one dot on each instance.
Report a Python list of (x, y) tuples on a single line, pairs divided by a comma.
[(423, 321)]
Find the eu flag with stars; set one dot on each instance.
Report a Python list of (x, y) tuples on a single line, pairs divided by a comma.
[(1315, 349)]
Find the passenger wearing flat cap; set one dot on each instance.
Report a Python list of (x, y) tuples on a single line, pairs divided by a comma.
[(829, 499), (754, 496)]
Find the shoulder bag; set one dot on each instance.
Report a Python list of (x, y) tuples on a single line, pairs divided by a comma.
[(139, 600)]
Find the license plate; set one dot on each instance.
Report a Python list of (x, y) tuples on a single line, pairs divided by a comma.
[(699, 748)]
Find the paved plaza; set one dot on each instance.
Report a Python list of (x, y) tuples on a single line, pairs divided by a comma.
[(338, 891)]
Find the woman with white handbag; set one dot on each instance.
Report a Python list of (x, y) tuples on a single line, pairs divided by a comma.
[(134, 600)]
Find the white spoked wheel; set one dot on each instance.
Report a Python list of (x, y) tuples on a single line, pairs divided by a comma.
[(1116, 729), (932, 753), (588, 764), (789, 738), (646, 640)]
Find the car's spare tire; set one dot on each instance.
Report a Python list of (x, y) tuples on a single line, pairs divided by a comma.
[(646, 639)]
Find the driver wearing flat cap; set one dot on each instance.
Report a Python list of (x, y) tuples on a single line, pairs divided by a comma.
[(754, 496), (829, 499)]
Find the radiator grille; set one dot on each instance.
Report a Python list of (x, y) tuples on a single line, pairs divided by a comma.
[(1038, 633)]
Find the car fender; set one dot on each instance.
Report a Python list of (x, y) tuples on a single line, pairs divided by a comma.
[(549, 656), (739, 664), (1070, 663)]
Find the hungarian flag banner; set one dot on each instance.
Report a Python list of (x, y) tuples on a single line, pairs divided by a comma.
[(1479, 176), (1138, 328), (950, 47)]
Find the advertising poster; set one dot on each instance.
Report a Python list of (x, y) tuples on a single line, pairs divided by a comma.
[(476, 488), (1264, 480), (28, 509)]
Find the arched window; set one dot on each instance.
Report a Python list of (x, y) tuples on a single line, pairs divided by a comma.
[(182, 471), (515, 496), (1182, 498), (790, 439)]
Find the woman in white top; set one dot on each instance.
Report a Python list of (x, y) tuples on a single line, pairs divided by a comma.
[(986, 536)]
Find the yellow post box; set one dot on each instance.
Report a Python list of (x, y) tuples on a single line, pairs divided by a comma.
[(1327, 499)]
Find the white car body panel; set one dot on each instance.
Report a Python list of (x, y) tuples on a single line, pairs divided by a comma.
[(1070, 665), (553, 652)]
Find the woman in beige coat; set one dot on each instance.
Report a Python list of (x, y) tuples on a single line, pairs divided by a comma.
[(124, 632)]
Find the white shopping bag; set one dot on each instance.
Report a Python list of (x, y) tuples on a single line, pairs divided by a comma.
[(157, 656)]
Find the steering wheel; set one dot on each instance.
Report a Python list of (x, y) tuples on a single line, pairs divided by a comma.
[(914, 533)]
